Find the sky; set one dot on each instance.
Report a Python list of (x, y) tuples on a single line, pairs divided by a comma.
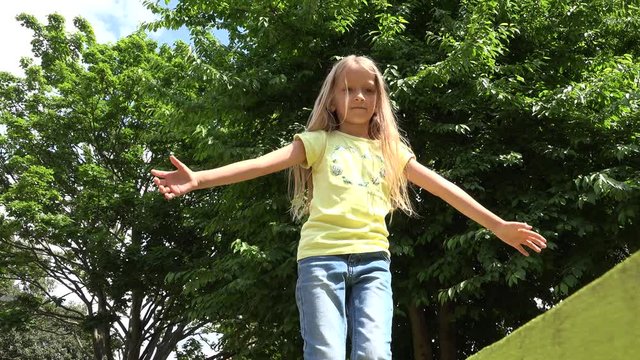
[(110, 19)]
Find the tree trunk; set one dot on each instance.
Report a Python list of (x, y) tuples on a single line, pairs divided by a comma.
[(420, 334), (133, 344), (447, 332), (134, 340), (170, 340), (101, 334)]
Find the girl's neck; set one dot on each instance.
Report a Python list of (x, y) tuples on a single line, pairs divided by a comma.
[(355, 130)]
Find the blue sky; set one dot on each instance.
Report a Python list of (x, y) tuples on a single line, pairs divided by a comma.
[(111, 20)]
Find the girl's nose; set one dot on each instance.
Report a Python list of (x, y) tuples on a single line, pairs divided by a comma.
[(359, 96)]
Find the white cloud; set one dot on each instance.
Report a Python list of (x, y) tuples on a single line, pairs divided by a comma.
[(110, 19)]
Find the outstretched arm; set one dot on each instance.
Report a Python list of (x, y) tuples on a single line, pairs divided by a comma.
[(183, 180), (515, 234)]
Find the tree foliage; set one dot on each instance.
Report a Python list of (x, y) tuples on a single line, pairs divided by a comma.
[(82, 127), (530, 106), (27, 335)]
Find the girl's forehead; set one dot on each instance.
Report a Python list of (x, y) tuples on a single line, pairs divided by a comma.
[(354, 72)]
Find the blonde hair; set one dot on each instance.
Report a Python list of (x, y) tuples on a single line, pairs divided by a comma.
[(382, 126)]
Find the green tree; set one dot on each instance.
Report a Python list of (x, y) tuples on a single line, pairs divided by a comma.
[(82, 127), (27, 334), (540, 123), (530, 106)]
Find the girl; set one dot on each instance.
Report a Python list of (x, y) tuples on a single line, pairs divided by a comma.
[(350, 169)]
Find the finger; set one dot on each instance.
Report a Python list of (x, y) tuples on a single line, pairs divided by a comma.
[(160, 173), (158, 182), (168, 196), (521, 250), (177, 163), (533, 246), (542, 244), (174, 189), (533, 234), (538, 238)]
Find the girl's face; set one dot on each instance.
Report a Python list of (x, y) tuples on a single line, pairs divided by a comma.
[(355, 96)]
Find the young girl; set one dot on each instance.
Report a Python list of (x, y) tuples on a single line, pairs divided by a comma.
[(350, 169)]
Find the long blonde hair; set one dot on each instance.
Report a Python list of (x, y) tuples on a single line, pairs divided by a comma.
[(382, 126)]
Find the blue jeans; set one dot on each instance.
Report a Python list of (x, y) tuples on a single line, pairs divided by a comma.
[(345, 295)]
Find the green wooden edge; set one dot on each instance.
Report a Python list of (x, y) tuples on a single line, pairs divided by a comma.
[(599, 321)]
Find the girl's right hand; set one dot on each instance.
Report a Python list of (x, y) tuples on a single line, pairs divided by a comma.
[(175, 183)]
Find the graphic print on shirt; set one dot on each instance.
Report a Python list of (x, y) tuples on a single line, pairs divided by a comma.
[(356, 168)]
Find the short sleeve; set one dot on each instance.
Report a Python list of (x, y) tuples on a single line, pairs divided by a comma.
[(314, 144), (405, 155)]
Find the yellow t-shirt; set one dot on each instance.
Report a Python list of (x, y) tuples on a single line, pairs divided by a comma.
[(350, 195)]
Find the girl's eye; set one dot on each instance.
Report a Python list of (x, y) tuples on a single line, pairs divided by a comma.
[(370, 91)]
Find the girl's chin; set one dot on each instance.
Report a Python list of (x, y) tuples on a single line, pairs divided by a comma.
[(354, 125), (357, 120)]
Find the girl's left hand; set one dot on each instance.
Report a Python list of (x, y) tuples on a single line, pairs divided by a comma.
[(518, 235)]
